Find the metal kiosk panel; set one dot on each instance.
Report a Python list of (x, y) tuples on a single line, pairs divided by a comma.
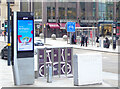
[(23, 40)]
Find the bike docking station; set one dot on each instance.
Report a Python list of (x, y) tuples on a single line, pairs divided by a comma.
[(23, 47), (54, 61)]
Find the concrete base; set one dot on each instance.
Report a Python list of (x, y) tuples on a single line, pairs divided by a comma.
[(24, 71)]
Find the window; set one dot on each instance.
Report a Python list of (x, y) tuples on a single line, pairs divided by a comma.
[(109, 11), (94, 10), (48, 13), (0, 23), (11, 1), (54, 13), (82, 14), (37, 10), (71, 13), (102, 11), (118, 11), (24, 6), (62, 13), (0, 11)]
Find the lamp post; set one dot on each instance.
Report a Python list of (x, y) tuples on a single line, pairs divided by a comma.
[(9, 44), (44, 34), (114, 37)]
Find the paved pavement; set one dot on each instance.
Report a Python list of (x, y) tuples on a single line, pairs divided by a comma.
[(61, 42), (109, 60), (6, 74), (6, 79)]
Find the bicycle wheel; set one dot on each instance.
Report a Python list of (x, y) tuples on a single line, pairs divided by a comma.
[(68, 68), (41, 71)]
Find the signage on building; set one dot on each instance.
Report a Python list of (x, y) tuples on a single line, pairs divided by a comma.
[(70, 26)]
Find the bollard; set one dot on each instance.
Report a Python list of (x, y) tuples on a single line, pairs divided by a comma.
[(49, 73), (99, 43)]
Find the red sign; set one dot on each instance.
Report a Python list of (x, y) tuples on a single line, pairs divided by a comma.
[(90, 34)]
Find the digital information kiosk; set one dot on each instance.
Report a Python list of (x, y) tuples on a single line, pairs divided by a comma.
[(23, 47)]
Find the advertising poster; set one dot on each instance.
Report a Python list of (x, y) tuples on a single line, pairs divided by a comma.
[(25, 35)]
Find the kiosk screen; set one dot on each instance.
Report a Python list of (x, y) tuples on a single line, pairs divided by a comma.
[(25, 35)]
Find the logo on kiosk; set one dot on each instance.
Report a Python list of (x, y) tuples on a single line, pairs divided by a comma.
[(25, 18)]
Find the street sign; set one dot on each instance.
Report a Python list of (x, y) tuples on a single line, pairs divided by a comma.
[(70, 26)]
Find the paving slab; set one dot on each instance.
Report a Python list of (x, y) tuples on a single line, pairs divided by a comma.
[(6, 79)]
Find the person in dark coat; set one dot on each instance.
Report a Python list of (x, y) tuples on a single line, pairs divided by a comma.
[(82, 40), (97, 41), (86, 39), (107, 42), (72, 38)]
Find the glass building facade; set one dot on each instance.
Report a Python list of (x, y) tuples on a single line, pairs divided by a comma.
[(91, 13), (105, 10), (37, 8), (118, 11)]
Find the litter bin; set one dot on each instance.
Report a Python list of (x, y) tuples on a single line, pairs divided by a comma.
[(49, 73), (100, 43)]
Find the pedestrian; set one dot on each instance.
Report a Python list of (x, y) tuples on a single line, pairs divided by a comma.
[(74, 38), (97, 41), (86, 39), (82, 40), (107, 42)]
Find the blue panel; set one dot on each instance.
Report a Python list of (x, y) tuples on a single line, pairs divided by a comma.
[(70, 26)]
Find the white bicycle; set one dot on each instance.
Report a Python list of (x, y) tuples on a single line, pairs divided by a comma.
[(41, 69)]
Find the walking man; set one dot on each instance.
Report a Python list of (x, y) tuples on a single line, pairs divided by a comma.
[(86, 39), (82, 40)]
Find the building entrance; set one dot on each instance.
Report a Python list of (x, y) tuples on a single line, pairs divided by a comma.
[(105, 29)]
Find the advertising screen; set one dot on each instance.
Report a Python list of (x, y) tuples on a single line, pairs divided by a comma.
[(25, 35)]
